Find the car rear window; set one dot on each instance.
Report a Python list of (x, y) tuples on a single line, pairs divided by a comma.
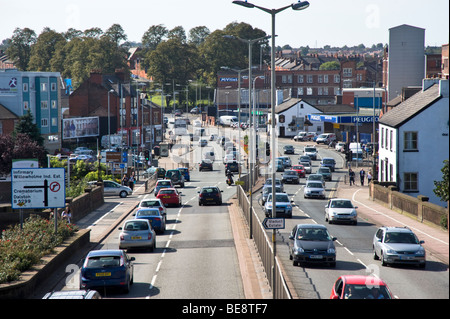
[(166, 191), (103, 262), (164, 183), (209, 190), (150, 203), (135, 226)]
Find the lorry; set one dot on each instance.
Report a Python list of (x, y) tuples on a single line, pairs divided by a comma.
[(228, 120)]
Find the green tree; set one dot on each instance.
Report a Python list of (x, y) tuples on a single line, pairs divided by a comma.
[(154, 36), (26, 125), (44, 49), (19, 49), (198, 35), (331, 65), (442, 187)]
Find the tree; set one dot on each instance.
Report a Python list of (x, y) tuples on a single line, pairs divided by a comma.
[(116, 34), (331, 65), (442, 187), (26, 126), (20, 47), (154, 36), (44, 49), (198, 35)]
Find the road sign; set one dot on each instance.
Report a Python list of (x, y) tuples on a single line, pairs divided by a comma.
[(273, 223), (113, 157), (38, 188)]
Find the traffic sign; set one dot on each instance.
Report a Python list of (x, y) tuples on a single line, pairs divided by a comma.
[(273, 223), (38, 188)]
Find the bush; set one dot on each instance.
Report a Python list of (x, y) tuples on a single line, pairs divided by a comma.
[(21, 249)]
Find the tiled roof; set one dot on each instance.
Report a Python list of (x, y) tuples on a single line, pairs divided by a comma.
[(411, 107)]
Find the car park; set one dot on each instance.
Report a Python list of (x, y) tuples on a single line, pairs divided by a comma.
[(185, 172), (289, 149), (314, 190), (209, 195), (170, 196), (311, 243), (111, 188), (341, 210), (175, 176), (300, 169), (316, 177), (162, 183), (398, 245), (310, 151), (268, 190), (156, 219), (328, 162), (360, 287), (137, 233), (107, 268), (283, 205), (205, 164), (325, 172), (290, 176)]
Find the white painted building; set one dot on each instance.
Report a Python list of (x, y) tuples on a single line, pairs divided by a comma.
[(414, 141), (292, 115)]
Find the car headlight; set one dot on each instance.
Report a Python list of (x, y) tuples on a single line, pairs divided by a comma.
[(391, 251), (331, 251), (298, 250), (420, 252)]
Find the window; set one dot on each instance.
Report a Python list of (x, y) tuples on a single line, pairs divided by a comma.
[(54, 121), (44, 105), (337, 78), (325, 78), (53, 104), (25, 87), (309, 91), (53, 86), (44, 122), (410, 141), (382, 137), (410, 182), (391, 140), (309, 79), (300, 91), (300, 79), (43, 87), (347, 72), (25, 105), (320, 78)]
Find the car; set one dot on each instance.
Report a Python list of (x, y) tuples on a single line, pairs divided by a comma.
[(205, 164), (326, 138), (107, 268), (229, 158), (290, 176), (137, 233), (203, 143), (341, 210), (111, 188), (278, 183), (162, 183), (153, 203), (279, 167), (328, 162), (268, 190), (160, 172), (289, 149), (73, 294), (398, 245), (209, 155), (195, 110), (360, 287), (209, 194), (311, 243), (314, 189), (325, 172), (286, 161), (310, 151), (316, 177), (175, 176), (300, 169), (340, 147), (283, 205), (304, 136), (232, 167), (177, 113), (212, 137), (305, 160), (197, 123), (156, 219), (185, 172), (170, 196)]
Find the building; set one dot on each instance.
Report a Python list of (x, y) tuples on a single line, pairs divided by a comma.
[(39, 93), (414, 140), (405, 59)]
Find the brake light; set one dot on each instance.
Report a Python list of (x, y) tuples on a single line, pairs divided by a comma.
[(149, 236), (121, 237)]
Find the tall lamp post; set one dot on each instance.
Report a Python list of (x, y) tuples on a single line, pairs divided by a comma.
[(300, 5)]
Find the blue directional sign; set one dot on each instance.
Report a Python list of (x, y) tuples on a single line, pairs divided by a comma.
[(125, 157), (273, 223)]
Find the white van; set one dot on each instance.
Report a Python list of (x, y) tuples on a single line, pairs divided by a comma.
[(326, 138), (357, 151), (228, 120)]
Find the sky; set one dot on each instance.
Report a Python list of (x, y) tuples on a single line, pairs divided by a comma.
[(324, 22)]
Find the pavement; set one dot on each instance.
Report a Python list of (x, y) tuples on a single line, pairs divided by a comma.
[(436, 239)]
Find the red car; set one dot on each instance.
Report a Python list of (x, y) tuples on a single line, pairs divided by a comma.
[(360, 287), (169, 196), (299, 169)]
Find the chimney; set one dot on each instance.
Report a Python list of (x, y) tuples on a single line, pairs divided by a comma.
[(96, 77)]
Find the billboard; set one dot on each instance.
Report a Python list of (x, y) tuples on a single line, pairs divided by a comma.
[(80, 127)]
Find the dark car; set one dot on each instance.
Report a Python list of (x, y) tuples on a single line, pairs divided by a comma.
[(210, 194), (290, 176), (185, 172), (328, 162), (160, 172), (205, 164), (107, 268), (311, 243), (289, 149), (232, 167), (175, 176)]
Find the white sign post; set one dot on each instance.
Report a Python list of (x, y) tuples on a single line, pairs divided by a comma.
[(38, 188)]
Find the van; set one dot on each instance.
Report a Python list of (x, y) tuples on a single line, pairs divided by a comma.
[(326, 138), (227, 120), (357, 151)]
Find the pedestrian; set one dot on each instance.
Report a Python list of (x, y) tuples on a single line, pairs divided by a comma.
[(67, 214), (131, 181), (125, 180), (369, 177), (362, 175), (351, 174)]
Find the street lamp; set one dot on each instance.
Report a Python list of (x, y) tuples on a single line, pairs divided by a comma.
[(300, 5)]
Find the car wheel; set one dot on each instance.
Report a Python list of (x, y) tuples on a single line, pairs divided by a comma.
[(383, 261), (123, 194), (126, 288)]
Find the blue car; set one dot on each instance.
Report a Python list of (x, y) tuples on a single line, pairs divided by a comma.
[(283, 205), (107, 268), (154, 216), (185, 172)]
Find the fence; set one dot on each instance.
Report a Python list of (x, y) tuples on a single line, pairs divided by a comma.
[(272, 267)]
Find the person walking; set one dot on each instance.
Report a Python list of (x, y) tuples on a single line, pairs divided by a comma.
[(362, 175), (125, 180), (351, 174), (369, 177), (67, 214), (131, 181)]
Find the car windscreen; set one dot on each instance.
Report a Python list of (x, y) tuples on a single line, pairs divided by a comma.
[(313, 234), (341, 204), (314, 185), (164, 183), (310, 149), (290, 173), (401, 238), (279, 198)]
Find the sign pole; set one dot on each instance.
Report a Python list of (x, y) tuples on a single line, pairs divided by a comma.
[(55, 213)]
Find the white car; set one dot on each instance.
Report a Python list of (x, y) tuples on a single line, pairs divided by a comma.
[(314, 189), (197, 123), (153, 203), (340, 147), (341, 210)]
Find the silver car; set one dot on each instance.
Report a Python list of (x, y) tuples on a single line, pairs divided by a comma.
[(111, 188), (341, 210), (306, 162), (398, 245), (314, 189), (137, 233)]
